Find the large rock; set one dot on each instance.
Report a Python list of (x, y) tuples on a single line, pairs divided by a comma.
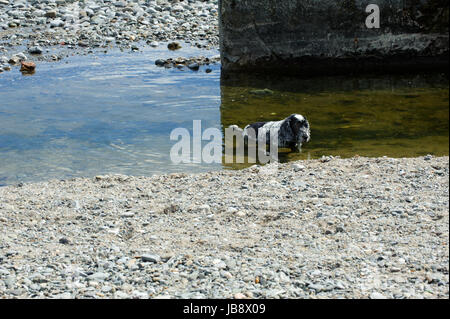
[(329, 36)]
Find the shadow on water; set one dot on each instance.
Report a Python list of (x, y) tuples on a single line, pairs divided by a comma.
[(397, 116), (113, 113)]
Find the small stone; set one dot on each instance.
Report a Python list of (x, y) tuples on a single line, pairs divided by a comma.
[(106, 289), (51, 14), (27, 66), (35, 50), (262, 92), (174, 46), (121, 295), (151, 258), (64, 241), (139, 295), (241, 214), (298, 167), (340, 229), (377, 295), (98, 276), (194, 66), (15, 59), (57, 23), (127, 214), (239, 296), (64, 295), (160, 62), (317, 287)]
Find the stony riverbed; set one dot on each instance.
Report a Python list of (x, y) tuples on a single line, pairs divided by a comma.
[(33, 29), (327, 228)]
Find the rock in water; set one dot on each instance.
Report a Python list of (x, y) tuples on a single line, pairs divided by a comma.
[(27, 67), (262, 92), (194, 66), (174, 46), (35, 50), (160, 62)]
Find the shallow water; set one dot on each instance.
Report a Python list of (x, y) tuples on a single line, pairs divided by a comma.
[(113, 113), (395, 116)]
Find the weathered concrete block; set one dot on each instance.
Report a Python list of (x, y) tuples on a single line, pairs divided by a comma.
[(331, 36)]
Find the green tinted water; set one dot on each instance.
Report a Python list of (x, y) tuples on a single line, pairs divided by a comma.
[(402, 116)]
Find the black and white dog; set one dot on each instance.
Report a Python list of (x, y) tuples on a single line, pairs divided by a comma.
[(292, 132)]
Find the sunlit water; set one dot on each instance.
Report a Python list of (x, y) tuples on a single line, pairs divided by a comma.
[(396, 116), (114, 112)]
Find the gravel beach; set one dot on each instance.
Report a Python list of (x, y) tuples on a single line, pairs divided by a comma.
[(34, 29), (327, 228)]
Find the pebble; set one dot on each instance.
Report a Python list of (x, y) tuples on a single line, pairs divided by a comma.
[(298, 167), (51, 14), (35, 50), (377, 295), (174, 46), (64, 241), (56, 23), (27, 66), (121, 295), (151, 258), (98, 276), (262, 92), (194, 66), (240, 296), (127, 214)]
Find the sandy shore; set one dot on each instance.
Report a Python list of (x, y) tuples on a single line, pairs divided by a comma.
[(351, 228)]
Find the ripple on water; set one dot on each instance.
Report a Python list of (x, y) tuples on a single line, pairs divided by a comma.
[(113, 113)]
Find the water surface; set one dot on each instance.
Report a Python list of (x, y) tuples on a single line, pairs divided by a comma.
[(396, 116), (113, 113)]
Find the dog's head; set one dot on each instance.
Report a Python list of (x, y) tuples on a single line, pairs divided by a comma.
[(300, 128)]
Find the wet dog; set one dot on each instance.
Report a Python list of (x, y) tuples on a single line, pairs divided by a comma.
[(292, 132)]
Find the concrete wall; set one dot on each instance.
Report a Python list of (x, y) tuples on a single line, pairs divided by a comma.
[(330, 36)]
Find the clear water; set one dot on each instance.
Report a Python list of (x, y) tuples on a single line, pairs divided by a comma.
[(113, 113), (395, 116)]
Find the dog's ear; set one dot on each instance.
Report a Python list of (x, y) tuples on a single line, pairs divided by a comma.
[(294, 124)]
